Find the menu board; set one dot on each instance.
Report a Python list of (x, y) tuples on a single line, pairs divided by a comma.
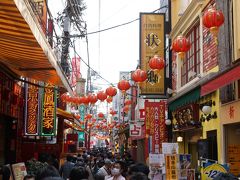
[(234, 159), (19, 171)]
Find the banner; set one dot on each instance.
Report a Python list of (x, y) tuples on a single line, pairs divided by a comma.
[(31, 109), (152, 42), (76, 74), (82, 112), (171, 167), (48, 123), (155, 124)]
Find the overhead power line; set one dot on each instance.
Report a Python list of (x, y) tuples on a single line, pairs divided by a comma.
[(116, 26)]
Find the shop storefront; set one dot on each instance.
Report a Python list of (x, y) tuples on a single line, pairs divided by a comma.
[(11, 113), (230, 121)]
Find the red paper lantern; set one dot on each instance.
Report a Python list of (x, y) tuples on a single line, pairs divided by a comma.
[(128, 102), (100, 115), (92, 98), (77, 116), (111, 91), (101, 95), (88, 116), (213, 19), (123, 85), (109, 99), (139, 76), (112, 112), (85, 100), (181, 45), (156, 63), (64, 97), (126, 109)]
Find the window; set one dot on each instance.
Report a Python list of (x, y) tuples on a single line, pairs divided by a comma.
[(191, 63), (227, 93)]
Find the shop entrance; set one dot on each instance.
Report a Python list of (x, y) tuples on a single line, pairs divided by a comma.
[(2, 142), (232, 147), (7, 140)]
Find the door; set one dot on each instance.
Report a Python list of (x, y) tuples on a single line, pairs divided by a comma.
[(2, 142)]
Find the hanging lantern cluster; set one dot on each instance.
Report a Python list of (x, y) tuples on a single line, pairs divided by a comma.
[(213, 19), (181, 45), (139, 76), (75, 100)]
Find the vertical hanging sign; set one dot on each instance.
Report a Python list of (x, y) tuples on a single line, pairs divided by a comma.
[(152, 42), (82, 112), (155, 124), (31, 110), (48, 123)]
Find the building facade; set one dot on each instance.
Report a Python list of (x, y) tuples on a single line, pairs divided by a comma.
[(206, 77)]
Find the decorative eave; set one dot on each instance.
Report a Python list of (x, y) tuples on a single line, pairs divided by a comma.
[(23, 46), (189, 16)]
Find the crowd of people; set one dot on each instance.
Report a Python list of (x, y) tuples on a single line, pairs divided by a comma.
[(101, 164), (96, 164)]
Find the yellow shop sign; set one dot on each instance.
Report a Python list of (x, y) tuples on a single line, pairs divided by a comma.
[(212, 171)]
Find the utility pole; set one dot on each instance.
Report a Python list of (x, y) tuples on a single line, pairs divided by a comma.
[(89, 90)]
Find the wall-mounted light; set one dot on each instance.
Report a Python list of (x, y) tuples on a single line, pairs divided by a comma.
[(179, 139), (206, 109), (168, 122)]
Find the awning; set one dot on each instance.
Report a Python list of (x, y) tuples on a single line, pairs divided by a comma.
[(221, 81), (24, 47), (187, 98), (64, 114)]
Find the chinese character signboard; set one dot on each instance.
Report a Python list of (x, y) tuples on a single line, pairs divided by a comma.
[(48, 123), (152, 42), (135, 130), (31, 109), (155, 124), (171, 167), (82, 112)]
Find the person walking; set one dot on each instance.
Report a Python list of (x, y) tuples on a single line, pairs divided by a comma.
[(66, 168)]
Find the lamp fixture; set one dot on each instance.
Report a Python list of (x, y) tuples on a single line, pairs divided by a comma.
[(207, 109), (179, 139), (168, 122)]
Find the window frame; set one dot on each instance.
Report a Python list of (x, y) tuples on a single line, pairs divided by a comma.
[(192, 60)]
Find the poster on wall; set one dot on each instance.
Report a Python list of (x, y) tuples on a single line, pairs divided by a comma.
[(184, 165), (157, 166), (170, 148), (19, 171)]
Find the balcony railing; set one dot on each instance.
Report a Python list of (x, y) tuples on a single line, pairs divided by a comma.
[(45, 19)]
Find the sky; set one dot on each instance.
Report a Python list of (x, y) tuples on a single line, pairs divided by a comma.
[(114, 50)]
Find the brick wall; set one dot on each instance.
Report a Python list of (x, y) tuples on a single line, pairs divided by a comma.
[(210, 57)]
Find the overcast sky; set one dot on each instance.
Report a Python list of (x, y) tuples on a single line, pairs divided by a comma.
[(118, 49)]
